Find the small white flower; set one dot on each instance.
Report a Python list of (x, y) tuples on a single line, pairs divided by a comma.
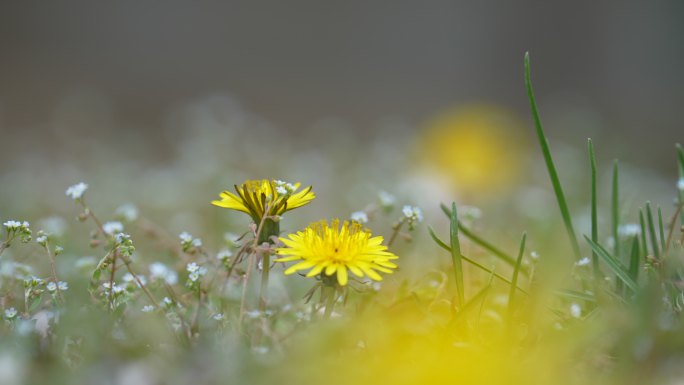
[(42, 239), (122, 237), (62, 286), (387, 200), (128, 211), (52, 287), (253, 314), (534, 255), (680, 184), (185, 237), (192, 267), (196, 242), (359, 216), (10, 313), (218, 317), (12, 225), (224, 254), (575, 310), (112, 227), (167, 301), (284, 188), (583, 262), (628, 230), (194, 276), (76, 191), (412, 213), (148, 309), (159, 270)]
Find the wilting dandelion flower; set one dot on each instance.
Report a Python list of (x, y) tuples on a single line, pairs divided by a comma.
[(254, 196), (333, 249)]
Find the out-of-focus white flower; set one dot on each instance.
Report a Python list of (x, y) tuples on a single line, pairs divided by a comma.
[(387, 200), (412, 213), (52, 287), (62, 286), (76, 191), (575, 310), (628, 230), (112, 227), (583, 262), (148, 308), (680, 184), (10, 313), (185, 237), (359, 216), (224, 255), (218, 317), (127, 212)]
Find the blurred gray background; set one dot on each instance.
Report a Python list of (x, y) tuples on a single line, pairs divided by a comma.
[(611, 70)]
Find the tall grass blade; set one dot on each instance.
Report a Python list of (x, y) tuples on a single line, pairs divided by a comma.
[(661, 229), (644, 244), (652, 231), (634, 260), (615, 209), (456, 254), (481, 242), (446, 247), (594, 209), (615, 266), (550, 166), (516, 270)]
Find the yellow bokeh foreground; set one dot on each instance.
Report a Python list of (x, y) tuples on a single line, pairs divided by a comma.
[(479, 149)]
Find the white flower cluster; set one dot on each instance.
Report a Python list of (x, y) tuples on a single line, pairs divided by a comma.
[(53, 287), (359, 216), (130, 279), (196, 271), (148, 309), (284, 188), (188, 241), (76, 191), (116, 289), (22, 229), (124, 244), (159, 271), (412, 215), (112, 227), (42, 238)]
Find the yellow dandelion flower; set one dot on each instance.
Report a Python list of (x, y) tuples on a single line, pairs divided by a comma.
[(254, 196), (334, 249)]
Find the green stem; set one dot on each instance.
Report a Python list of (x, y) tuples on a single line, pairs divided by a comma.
[(329, 301)]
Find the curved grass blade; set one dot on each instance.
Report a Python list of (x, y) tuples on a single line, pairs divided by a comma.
[(644, 244), (634, 260), (615, 209), (594, 208), (680, 164), (652, 231), (577, 295), (446, 247), (456, 254), (614, 265), (550, 166), (514, 280), (481, 242)]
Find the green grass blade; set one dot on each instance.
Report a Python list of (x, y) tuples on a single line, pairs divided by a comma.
[(481, 242), (614, 265), (594, 208), (615, 209), (446, 247), (576, 295), (661, 229), (634, 260), (456, 254), (516, 270), (680, 166), (550, 166), (652, 231), (644, 244)]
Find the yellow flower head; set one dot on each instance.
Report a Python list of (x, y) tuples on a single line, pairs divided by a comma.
[(331, 249), (254, 196)]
